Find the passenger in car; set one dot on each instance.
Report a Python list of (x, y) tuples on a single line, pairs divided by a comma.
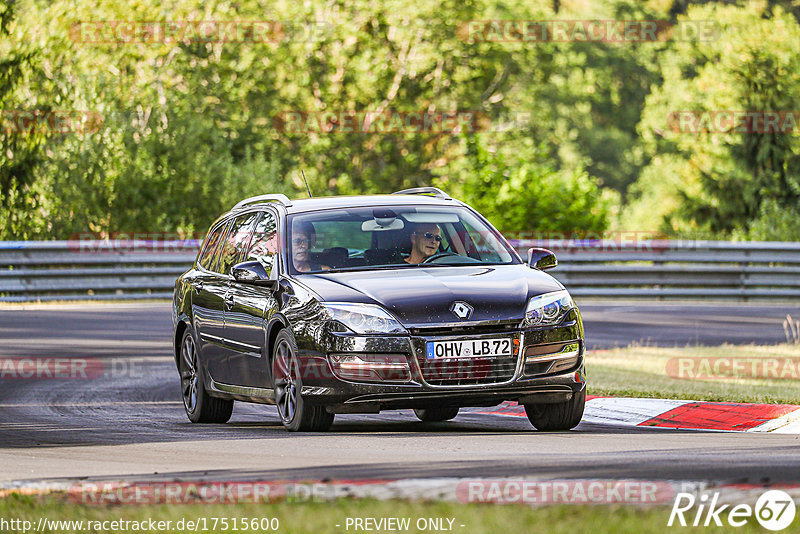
[(303, 238), (425, 241)]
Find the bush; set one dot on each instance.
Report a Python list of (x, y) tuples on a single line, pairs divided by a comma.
[(525, 195)]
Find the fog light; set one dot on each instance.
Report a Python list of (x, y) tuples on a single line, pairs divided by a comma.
[(365, 367), (549, 359), (563, 365)]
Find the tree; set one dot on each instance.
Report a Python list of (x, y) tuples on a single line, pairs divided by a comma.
[(20, 151), (729, 180), (527, 196)]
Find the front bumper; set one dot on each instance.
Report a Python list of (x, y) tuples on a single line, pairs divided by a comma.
[(543, 382), (357, 399)]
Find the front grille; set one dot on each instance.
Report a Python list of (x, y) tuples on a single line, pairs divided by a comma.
[(465, 371)]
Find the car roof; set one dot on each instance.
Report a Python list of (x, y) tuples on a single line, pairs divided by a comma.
[(304, 205), (322, 203)]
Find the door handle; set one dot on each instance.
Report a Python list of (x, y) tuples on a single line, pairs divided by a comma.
[(229, 301), (198, 287)]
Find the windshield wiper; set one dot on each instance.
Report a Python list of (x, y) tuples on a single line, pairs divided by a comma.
[(366, 268)]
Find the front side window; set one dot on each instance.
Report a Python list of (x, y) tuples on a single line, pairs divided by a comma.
[(392, 237), (236, 242), (208, 254), (485, 245), (264, 245)]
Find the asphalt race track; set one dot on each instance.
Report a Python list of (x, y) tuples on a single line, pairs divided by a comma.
[(129, 422)]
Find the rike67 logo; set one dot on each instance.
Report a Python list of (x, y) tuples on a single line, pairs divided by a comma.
[(774, 510)]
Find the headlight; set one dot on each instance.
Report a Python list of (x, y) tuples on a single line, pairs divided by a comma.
[(363, 318), (548, 309)]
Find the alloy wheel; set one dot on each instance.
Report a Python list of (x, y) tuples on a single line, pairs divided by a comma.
[(189, 375), (285, 373)]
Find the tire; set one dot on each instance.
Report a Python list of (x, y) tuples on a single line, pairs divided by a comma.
[(436, 414), (200, 406), (561, 416), (296, 413)]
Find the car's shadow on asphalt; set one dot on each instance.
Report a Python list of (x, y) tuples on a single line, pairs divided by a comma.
[(396, 425), (108, 425)]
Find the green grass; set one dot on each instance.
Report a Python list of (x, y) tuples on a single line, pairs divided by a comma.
[(641, 371), (322, 517)]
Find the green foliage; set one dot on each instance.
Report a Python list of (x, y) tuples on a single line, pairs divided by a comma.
[(571, 127), (19, 154), (177, 178), (591, 99), (728, 184), (189, 126), (775, 222), (526, 195)]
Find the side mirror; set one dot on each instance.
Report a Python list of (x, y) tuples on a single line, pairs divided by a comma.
[(252, 272), (541, 258)]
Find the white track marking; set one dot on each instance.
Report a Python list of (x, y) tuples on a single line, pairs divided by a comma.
[(627, 412), (786, 424)]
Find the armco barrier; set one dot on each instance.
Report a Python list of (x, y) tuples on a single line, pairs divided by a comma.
[(675, 269), (69, 270)]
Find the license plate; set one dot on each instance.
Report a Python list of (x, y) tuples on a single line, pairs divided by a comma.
[(471, 348)]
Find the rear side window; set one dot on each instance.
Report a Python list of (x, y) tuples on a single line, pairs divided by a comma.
[(206, 259), (236, 242)]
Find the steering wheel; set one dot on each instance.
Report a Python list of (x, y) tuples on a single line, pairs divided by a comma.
[(431, 259)]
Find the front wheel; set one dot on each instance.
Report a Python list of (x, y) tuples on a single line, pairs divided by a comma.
[(200, 406), (297, 415), (436, 414), (561, 416)]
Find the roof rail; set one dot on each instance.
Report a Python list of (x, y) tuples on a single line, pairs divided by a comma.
[(278, 197), (435, 191)]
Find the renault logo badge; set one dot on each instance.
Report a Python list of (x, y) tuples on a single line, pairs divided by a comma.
[(461, 309)]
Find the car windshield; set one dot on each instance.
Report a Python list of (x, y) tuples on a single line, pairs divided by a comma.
[(392, 237)]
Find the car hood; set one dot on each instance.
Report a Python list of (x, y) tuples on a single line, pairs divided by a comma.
[(424, 296)]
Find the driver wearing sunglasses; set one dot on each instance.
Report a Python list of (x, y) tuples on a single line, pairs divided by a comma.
[(425, 241)]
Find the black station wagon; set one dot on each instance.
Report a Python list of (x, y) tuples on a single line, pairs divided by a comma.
[(369, 303)]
